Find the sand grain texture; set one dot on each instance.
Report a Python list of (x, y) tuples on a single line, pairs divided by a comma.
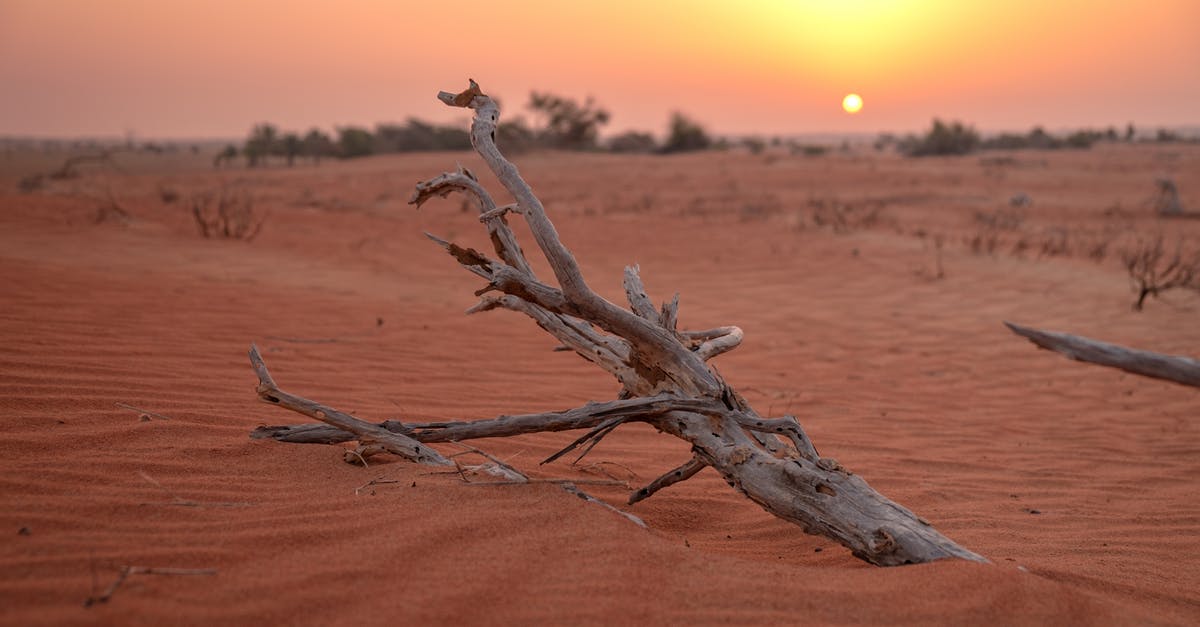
[(1089, 478)]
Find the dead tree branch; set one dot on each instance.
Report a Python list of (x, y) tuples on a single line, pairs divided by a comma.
[(1184, 370), (665, 378)]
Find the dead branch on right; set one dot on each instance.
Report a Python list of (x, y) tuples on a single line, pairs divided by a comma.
[(1153, 270)]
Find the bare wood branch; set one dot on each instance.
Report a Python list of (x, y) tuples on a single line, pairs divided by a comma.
[(670, 314), (787, 427), (499, 468), (367, 433), (584, 417), (673, 476), (501, 235), (658, 349), (635, 291), (1183, 370), (598, 432), (144, 412), (729, 339), (666, 383)]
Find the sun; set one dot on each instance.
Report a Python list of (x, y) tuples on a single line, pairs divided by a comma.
[(852, 103)]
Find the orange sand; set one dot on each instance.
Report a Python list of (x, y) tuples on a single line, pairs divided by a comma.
[(909, 381)]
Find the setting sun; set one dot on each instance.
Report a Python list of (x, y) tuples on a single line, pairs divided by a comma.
[(852, 103)]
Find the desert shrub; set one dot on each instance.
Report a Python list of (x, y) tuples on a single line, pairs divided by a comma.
[(1166, 203), (31, 183), (685, 135), (1006, 141), (419, 136), (515, 136), (755, 145), (942, 139), (291, 145), (1083, 138), (167, 195), (810, 150), (109, 210), (227, 213), (1152, 270), (567, 124), (354, 141), (844, 217), (227, 155), (262, 142), (633, 142), (1166, 136), (1006, 219), (317, 144)]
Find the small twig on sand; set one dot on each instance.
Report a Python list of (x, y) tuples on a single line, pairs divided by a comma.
[(126, 571), (182, 502), (373, 482), (145, 414), (501, 469), (570, 487)]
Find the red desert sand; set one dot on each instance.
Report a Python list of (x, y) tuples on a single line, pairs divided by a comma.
[(871, 289)]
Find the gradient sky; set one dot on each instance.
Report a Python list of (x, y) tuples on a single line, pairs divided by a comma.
[(212, 68)]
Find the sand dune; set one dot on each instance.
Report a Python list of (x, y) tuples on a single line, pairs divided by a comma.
[(1080, 483)]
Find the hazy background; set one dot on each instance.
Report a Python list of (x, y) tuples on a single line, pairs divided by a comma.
[(212, 68)]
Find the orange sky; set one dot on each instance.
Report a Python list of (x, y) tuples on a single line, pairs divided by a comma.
[(211, 68)]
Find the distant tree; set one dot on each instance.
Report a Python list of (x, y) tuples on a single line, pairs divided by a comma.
[(317, 144), (226, 156), (685, 135), (568, 124), (944, 139), (756, 145), (1039, 138), (515, 136), (261, 143), (633, 142), (416, 136), (292, 146), (1165, 136), (354, 141), (1130, 132)]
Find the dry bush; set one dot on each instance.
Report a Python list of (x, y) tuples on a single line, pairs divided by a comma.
[(1006, 219), (31, 183), (1153, 271), (844, 217), (167, 195), (68, 170), (227, 214), (1167, 202), (1056, 242), (109, 209)]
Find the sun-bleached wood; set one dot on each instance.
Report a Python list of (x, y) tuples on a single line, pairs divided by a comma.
[(1179, 369), (665, 380)]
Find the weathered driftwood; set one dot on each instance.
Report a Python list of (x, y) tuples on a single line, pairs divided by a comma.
[(663, 372), (1175, 368)]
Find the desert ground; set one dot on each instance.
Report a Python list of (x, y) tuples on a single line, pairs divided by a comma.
[(871, 289)]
